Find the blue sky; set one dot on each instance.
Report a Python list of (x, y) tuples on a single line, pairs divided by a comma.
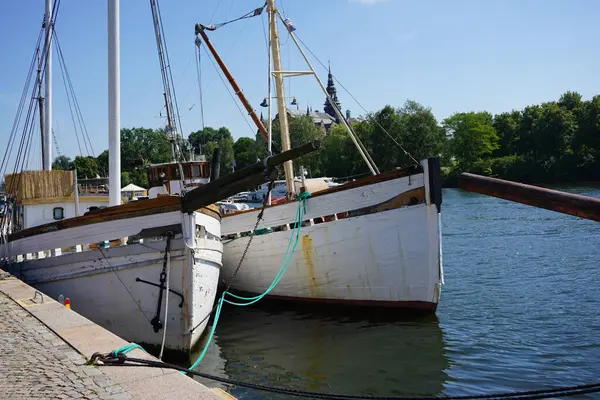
[(451, 56)]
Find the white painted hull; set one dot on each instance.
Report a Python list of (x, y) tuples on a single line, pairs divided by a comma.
[(103, 285), (384, 258)]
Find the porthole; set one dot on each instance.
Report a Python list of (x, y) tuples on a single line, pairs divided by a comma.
[(58, 213)]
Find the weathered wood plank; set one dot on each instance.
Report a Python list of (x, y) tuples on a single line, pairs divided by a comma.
[(323, 205), (242, 179), (567, 203), (159, 205)]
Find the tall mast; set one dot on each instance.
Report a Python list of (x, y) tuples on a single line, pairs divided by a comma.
[(279, 89), (47, 130), (114, 105), (168, 94), (41, 106)]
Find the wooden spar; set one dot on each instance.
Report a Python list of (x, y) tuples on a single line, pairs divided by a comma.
[(288, 167), (242, 179), (567, 203), (236, 88)]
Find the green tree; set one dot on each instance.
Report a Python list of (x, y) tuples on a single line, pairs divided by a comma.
[(86, 167), (507, 128), (62, 162), (473, 137), (125, 179), (302, 130), (553, 132), (207, 139), (419, 133), (339, 157), (246, 151), (102, 161), (140, 146)]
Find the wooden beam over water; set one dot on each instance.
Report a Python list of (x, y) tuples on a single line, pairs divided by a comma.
[(242, 179), (555, 200)]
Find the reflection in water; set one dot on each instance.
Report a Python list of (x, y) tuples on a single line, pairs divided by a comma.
[(327, 352), (519, 311)]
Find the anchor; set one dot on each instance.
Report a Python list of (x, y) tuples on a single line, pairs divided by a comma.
[(170, 290), (156, 322)]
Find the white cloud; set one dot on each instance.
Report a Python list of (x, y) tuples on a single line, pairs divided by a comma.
[(368, 2)]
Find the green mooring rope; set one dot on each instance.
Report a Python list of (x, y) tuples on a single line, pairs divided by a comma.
[(246, 301)]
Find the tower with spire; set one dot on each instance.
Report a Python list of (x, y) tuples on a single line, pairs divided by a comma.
[(332, 91)]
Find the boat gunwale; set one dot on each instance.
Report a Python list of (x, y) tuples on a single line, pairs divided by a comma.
[(369, 180), (158, 205)]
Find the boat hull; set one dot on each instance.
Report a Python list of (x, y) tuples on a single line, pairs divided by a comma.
[(378, 245), (116, 287)]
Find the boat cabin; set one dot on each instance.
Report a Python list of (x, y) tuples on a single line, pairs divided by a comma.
[(42, 197), (165, 178)]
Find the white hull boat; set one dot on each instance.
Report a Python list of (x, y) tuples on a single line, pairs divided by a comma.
[(374, 241), (118, 287)]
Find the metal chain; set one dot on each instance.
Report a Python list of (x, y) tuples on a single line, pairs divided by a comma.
[(156, 323), (258, 219)]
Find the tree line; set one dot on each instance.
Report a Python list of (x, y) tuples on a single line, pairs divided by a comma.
[(557, 141)]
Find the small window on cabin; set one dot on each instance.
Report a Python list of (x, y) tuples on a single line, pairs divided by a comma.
[(195, 171), (58, 213), (174, 173)]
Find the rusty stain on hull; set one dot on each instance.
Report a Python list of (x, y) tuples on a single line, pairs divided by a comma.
[(307, 250)]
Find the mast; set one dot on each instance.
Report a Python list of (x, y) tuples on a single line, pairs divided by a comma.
[(238, 91), (161, 45), (360, 147), (114, 105), (41, 106), (270, 141), (279, 89), (47, 130)]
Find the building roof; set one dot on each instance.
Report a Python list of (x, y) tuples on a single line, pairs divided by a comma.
[(132, 188), (317, 117)]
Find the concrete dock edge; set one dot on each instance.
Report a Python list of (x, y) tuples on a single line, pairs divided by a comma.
[(86, 338)]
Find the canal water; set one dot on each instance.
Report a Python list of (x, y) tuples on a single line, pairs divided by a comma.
[(519, 311)]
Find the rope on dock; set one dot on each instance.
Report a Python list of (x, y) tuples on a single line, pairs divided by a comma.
[(120, 359)]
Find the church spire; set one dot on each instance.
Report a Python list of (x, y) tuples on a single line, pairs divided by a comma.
[(332, 91)]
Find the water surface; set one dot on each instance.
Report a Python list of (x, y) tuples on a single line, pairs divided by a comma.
[(519, 311)]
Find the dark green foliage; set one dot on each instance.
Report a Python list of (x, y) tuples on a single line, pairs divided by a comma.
[(556, 141)]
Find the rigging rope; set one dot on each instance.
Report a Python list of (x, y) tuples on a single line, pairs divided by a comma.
[(230, 283), (26, 136), (359, 104), (254, 13), (246, 301), (71, 108), (229, 91), (199, 74), (82, 126)]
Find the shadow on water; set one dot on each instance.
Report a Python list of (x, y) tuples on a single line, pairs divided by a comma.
[(365, 353)]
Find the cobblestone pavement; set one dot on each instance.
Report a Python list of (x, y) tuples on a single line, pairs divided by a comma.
[(37, 364)]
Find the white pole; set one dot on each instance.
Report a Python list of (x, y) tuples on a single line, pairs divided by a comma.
[(48, 89), (114, 105)]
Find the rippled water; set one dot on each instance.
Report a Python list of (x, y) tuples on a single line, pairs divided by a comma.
[(519, 311)]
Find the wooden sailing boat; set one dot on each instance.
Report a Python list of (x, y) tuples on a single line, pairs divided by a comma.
[(146, 270), (375, 241)]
